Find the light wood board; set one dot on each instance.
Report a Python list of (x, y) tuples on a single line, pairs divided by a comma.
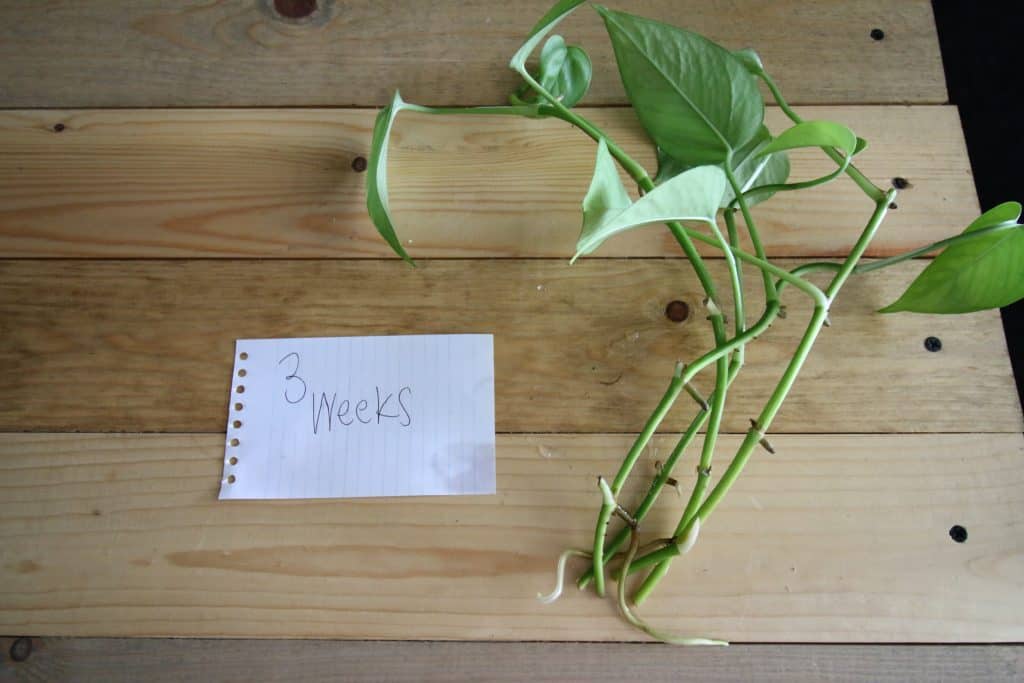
[(148, 53), (280, 183), (147, 345), (834, 538), (112, 660)]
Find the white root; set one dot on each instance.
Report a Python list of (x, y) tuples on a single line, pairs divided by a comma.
[(560, 579)]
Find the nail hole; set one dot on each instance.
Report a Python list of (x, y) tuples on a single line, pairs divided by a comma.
[(235, 442), (231, 479), (295, 9), (900, 183), (958, 533), (243, 355), (237, 424), (21, 648), (677, 311), (933, 344), (893, 206), (241, 389), (877, 34), (241, 373), (59, 128), (359, 164), (238, 406), (233, 460)]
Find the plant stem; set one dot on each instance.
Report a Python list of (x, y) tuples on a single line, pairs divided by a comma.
[(734, 243), (764, 265), (643, 180), (868, 234), (603, 517), (955, 239), (659, 481), (868, 187), (771, 408), (717, 407), (755, 238), (674, 388)]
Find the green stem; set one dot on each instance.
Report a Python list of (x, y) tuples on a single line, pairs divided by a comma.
[(868, 187), (603, 517), (659, 482), (671, 394), (764, 265), (771, 408), (640, 176), (755, 238), (868, 234), (734, 243), (717, 406), (529, 110), (746, 449), (955, 239)]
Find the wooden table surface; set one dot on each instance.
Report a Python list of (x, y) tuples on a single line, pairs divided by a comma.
[(175, 176)]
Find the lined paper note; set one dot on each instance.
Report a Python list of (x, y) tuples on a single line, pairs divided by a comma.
[(345, 417)]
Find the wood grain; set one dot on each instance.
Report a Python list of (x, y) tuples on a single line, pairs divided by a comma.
[(280, 183), (111, 660), (146, 53), (835, 538), (148, 345)]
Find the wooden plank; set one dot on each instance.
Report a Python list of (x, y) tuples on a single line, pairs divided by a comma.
[(280, 183), (148, 345), (133, 659), (145, 53), (834, 539)]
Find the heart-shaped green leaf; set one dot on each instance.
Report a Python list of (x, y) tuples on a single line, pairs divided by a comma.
[(692, 195), (748, 166), (815, 134), (565, 70), (377, 176), (974, 274), (694, 98)]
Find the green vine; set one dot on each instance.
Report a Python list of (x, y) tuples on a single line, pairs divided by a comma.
[(715, 158)]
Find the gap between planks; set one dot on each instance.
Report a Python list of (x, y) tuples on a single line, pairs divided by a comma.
[(101, 660)]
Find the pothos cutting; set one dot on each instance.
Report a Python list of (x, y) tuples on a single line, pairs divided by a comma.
[(702, 108)]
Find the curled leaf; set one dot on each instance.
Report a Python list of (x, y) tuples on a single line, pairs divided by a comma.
[(565, 71), (607, 196), (815, 134), (554, 15), (377, 176), (750, 60)]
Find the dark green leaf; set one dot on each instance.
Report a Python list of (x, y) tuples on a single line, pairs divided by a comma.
[(696, 100), (975, 274), (691, 195), (377, 176)]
